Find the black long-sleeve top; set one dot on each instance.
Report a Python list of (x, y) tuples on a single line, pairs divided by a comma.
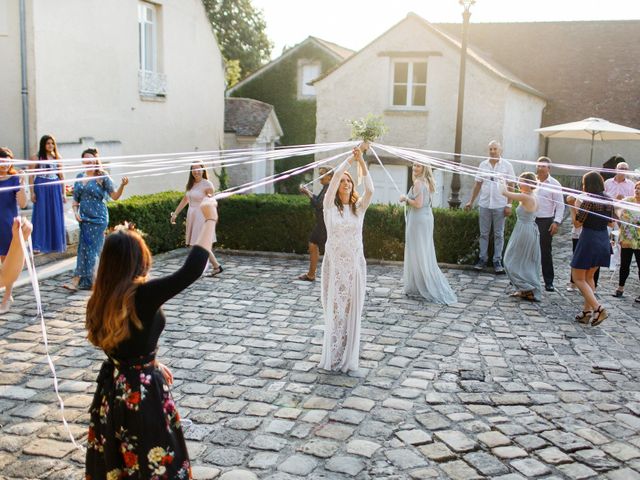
[(149, 298)]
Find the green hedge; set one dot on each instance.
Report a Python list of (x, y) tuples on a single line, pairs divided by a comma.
[(282, 223)]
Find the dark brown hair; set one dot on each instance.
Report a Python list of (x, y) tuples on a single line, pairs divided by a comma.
[(42, 151), (192, 180), (593, 182), (353, 197), (124, 265)]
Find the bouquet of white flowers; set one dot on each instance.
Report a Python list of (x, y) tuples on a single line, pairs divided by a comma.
[(368, 129)]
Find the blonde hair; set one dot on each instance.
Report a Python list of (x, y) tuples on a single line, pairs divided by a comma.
[(530, 179), (426, 176)]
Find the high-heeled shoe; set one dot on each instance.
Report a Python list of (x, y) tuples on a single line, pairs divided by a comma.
[(598, 316), (584, 316)]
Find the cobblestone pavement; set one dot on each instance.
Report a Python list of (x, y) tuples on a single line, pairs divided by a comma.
[(490, 387)]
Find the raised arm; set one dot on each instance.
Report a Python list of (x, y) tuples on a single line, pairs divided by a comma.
[(335, 183), (115, 195), (21, 194), (152, 294), (368, 183)]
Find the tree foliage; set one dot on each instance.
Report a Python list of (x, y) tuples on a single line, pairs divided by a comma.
[(240, 29)]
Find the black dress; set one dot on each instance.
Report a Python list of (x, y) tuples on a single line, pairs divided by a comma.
[(319, 232), (135, 431)]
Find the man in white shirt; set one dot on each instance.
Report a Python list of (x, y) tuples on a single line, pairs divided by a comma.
[(493, 206), (620, 186), (548, 217)]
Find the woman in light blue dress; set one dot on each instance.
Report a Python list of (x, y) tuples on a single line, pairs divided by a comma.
[(422, 276), (522, 257)]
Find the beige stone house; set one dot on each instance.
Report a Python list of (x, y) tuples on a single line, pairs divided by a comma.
[(409, 74), (133, 78)]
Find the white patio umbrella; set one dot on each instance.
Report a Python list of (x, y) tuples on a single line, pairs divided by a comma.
[(590, 129)]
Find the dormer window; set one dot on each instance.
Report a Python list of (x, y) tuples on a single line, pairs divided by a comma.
[(307, 71)]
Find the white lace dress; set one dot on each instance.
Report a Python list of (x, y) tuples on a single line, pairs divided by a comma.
[(344, 277)]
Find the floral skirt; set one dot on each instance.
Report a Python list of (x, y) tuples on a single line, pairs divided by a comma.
[(134, 430)]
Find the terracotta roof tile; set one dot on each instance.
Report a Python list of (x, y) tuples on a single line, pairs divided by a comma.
[(245, 116)]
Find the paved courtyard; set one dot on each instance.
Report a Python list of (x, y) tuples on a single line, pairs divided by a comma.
[(488, 388)]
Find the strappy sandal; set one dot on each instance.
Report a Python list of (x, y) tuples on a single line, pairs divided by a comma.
[(598, 316), (70, 286), (306, 278), (529, 296), (584, 316), (216, 271)]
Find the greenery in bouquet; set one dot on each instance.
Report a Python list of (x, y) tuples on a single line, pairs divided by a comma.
[(368, 129)]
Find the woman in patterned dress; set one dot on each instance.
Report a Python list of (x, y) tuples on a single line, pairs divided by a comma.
[(134, 428), (198, 187), (89, 197), (629, 240), (344, 270), (12, 195), (49, 234)]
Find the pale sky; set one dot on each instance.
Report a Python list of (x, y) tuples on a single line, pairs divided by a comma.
[(354, 23)]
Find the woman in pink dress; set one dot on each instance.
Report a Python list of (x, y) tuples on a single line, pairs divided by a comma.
[(198, 188)]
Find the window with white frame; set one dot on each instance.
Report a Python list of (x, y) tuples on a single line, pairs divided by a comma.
[(151, 82), (307, 72), (147, 35), (409, 87)]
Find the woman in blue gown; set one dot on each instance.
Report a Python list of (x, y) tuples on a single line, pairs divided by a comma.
[(49, 234), (12, 195), (522, 258), (422, 276)]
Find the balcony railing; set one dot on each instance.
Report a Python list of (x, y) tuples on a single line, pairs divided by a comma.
[(152, 84)]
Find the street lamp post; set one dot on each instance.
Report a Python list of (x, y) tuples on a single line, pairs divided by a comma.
[(454, 200)]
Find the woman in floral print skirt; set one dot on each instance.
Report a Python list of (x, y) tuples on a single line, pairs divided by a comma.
[(135, 430)]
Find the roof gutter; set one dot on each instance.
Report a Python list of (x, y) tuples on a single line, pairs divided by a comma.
[(24, 88)]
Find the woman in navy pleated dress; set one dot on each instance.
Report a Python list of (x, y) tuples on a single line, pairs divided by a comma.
[(90, 195), (48, 200), (593, 249), (12, 195)]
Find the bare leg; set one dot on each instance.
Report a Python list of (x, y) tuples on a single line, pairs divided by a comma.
[(213, 260), (580, 278), (13, 262), (314, 255)]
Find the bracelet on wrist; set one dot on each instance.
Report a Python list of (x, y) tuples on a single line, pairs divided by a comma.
[(209, 219)]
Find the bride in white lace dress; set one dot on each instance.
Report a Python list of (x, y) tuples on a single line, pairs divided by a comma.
[(344, 271)]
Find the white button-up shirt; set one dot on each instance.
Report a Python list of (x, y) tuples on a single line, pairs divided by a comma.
[(489, 176), (550, 200), (614, 188)]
